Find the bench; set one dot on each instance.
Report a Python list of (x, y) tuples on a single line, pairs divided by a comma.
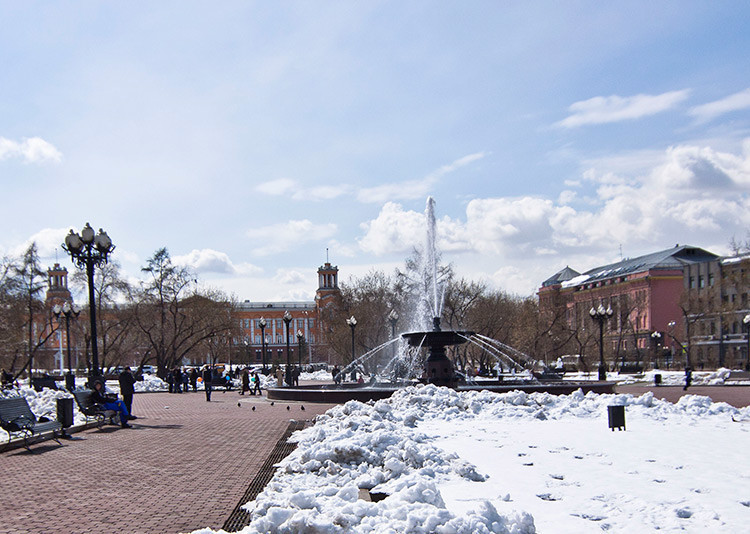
[(16, 418), (92, 410), (40, 383)]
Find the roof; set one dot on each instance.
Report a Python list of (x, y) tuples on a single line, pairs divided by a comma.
[(670, 259), (560, 276)]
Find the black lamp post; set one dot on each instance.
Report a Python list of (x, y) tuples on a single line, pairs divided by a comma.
[(656, 337), (300, 341), (746, 322), (89, 250), (68, 311), (601, 315), (287, 321), (352, 322), (262, 324), (393, 319)]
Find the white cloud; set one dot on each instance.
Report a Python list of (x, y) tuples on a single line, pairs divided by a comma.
[(211, 261), (281, 237), (48, 242), (282, 186), (413, 189), (614, 108), (711, 110), (290, 277), (394, 230), (30, 150)]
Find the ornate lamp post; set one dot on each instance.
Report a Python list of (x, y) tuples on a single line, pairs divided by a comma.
[(89, 251), (300, 341), (656, 338), (287, 320), (746, 322), (262, 324), (601, 315), (352, 322), (68, 311)]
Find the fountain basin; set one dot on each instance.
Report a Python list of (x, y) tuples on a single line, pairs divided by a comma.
[(334, 394)]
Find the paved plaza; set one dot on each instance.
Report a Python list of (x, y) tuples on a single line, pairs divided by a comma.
[(185, 465)]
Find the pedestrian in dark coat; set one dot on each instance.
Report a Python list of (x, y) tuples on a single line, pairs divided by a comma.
[(245, 382), (208, 376), (256, 378), (194, 379), (688, 377), (177, 380), (127, 388)]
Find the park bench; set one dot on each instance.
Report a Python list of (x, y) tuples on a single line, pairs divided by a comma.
[(42, 382), (17, 419), (92, 410)]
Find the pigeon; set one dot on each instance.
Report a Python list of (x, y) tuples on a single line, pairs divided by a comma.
[(288, 408), (271, 403), (253, 408), (238, 404), (302, 408)]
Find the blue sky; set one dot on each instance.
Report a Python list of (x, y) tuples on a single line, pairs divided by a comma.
[(248, 137)]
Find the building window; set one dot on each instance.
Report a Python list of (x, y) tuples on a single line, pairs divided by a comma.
[(710, 279), (692, 282), (701, 281)]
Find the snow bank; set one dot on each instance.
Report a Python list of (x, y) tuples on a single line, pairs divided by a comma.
[(379, 447)]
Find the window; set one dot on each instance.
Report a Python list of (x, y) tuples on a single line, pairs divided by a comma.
[(710, 279), (701, 281), (692, 282)]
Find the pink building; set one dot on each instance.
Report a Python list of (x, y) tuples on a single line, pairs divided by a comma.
[(644, 294)]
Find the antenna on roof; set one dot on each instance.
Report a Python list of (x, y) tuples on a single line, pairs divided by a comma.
[(620, 251), (327, 255)]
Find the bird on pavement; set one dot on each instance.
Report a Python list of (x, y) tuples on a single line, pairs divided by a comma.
[(271, 403), (238, 404), (302, 408), (253, 408), (288, 408)]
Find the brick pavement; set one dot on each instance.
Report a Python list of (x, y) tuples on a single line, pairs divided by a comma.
[(184, 465)]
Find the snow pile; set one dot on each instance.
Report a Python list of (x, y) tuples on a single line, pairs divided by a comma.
[(320, 375), (149, 383), (423, 449)]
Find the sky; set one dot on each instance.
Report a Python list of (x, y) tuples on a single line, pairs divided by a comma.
[(256, 139)]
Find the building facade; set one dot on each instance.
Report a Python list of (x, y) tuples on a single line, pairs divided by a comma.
[(644, 294), (718, 318), (308, 323)]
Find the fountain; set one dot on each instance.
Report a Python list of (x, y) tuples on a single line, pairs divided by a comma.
[(438, 368)]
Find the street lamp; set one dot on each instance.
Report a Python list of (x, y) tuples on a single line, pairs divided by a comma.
[(262, 324), (68, 311), (746, 321), (287, 321), (300, 341), (89, 250), (601, 315), (656, 338), (352, 322)]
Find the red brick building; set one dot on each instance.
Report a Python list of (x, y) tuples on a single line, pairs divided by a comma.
[(645, 296)]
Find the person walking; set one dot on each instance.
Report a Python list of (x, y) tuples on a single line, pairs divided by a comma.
[(194, 379), (256, 379), (207, 378), (177, 380), (245, 381), (127, 389), (688, 377)]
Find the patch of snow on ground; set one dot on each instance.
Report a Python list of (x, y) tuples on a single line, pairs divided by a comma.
[(464, 462)]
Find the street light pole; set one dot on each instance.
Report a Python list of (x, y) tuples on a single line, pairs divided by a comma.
[(287, 321), (262, 325), (89, 251), (393, 319), (746, 321), (68, 311), (656, 337), (601, 315), (352, 322), (300, 341)]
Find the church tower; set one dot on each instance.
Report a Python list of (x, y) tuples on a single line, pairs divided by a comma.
[(57, 280), (328, 285)]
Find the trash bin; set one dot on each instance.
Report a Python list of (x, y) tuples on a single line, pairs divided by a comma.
[(616, 417), (65, 412), (657, 379)]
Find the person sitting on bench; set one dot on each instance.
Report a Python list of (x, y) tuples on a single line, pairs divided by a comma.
[(110, 402)]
